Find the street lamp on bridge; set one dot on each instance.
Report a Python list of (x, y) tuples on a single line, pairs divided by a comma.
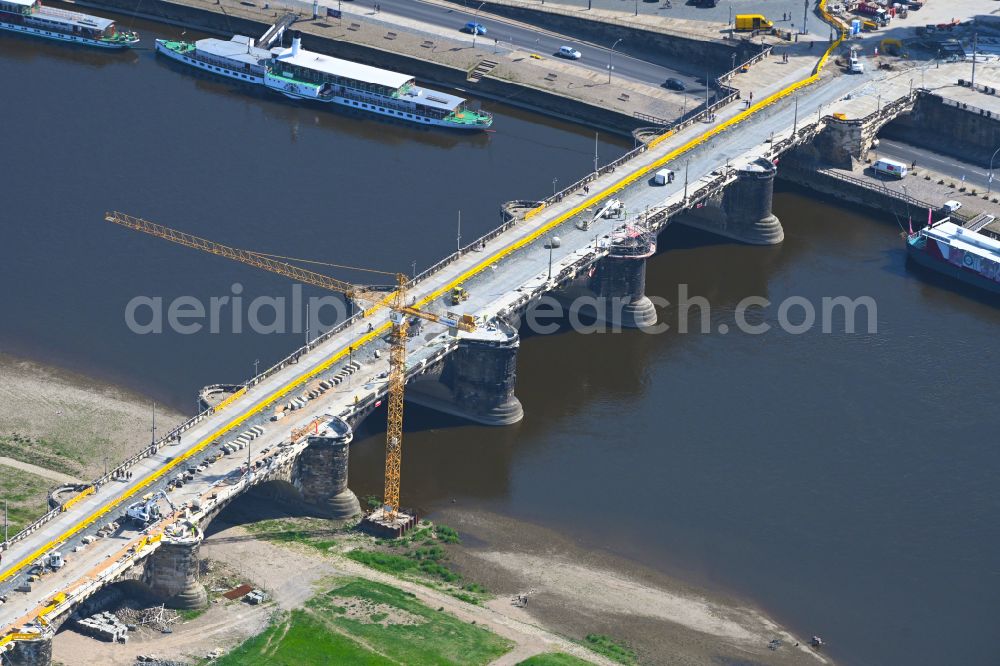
[(989, 177), (611, 56)]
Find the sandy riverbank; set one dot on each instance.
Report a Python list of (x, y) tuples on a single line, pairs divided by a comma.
[(575, 591), (67, 422)]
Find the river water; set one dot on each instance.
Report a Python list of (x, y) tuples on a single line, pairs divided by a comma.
[(843, 482)]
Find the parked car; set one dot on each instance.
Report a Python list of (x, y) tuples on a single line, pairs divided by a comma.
[(951, 206), (474, 28), (569, 52), (675, 84)]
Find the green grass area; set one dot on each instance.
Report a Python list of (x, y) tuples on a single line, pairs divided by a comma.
[(302, 639), (617, 651), (427, 560), (314, 532), (553, 659), (189, 614), (26, 494), (418, 555), (48, 453), (400, 631)]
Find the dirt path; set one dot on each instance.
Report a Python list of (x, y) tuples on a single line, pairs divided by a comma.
[(291, 575), (39, 471)]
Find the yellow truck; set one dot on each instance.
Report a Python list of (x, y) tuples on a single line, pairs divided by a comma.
[(747, 22)]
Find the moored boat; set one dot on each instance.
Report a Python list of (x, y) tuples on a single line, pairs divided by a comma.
[(300, 74), (237, 58), (30, 17), (969, 253)]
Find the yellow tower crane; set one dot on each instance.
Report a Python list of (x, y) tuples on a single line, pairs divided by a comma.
[(395, 300)]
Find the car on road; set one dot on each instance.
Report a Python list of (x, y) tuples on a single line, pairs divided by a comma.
[(474, 28), (674, 84), (569, 52)]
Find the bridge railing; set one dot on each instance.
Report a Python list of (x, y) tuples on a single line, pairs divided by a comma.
[(175, 433), (883, 189), (752, 60), (731, 94), (966, 107)]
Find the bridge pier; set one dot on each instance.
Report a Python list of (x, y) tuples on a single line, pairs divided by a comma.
[(477, 380), (743, 210), (31, 653), (171, 572), (619, 281), (320, 473), (614, 291)]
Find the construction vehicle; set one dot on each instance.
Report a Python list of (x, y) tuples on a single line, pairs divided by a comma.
[(147, 510), (373, 299), (855, 66), (747, 22), (458, 295), (891, 47), (873, 12), (56, 560)]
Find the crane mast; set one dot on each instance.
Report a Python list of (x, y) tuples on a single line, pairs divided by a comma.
[(394, 421), (395, 300)]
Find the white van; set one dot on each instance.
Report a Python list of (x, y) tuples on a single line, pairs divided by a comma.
[(891, 168), (663, 176)]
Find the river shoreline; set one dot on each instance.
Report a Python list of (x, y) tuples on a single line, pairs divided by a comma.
[(573, 590)]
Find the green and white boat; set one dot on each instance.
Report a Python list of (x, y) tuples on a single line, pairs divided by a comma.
[(30, 17), (300, 74)]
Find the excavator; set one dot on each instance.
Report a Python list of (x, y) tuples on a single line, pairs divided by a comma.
[(147, 510)]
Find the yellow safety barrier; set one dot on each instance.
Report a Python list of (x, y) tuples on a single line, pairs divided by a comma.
[(206, 442), (639, 174), (18, 636), (534, 211), (76, 498), (228, 401), (377, 332)]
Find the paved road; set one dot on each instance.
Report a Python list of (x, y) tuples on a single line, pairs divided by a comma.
[(724, 9), (948, 166), (540, 41)]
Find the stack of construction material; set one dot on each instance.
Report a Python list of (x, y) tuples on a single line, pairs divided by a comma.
[(103, 626), (158, 618), (255, 597)]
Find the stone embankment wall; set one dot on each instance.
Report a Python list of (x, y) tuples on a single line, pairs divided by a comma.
[(950, 128), (715, 54)]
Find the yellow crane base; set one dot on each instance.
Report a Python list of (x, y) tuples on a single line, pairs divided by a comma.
[(385, 525)]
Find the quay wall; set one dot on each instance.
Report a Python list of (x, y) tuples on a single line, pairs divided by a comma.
[(841, 189), (716, 54), (950, 128), (433, 73)]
